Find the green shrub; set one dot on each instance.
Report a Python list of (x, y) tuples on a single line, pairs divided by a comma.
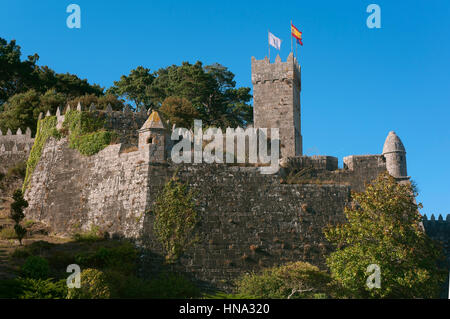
[(122, 258), (164, 286), (10, 288), (292, 280), (42, 288), (90, 236), (59, 260), (35, 267), (22, 252), (172, 286), (8, 233), (94, 285)]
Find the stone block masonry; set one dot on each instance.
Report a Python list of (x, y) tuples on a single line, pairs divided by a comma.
[(276, 101), (14, 148)]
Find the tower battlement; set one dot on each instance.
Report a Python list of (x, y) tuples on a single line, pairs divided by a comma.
[(263, 70)]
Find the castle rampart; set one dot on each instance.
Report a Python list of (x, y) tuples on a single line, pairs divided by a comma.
[(14, 148)]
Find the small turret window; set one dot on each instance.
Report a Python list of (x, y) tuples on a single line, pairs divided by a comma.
[(150, 140)]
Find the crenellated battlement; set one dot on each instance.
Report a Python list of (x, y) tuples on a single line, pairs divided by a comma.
[(263, 71), (276, 101), (18, 143), (126, 122)]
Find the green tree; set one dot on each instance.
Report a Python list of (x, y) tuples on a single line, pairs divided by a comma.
[(22, 110), (291, 280), (384, 228), (100, 102), (179, 111), (65, 83), (135, 87), (175, 218), (210, 89), (17, 214), (94, 285), (19, 76), (16, 76)]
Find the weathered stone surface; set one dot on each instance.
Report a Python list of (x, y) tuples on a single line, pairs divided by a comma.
[(14, 148), (276, 101)]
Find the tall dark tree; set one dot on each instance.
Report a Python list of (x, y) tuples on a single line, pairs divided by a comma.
[(22, 110), (16, 76), (27, 89), (17, 214), (135, 87), (211, 90)]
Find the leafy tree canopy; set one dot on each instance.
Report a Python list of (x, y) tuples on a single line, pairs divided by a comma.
[(384, 228), (180, 111), (135, 87), (26, 89), (211, 90), (22, 109)]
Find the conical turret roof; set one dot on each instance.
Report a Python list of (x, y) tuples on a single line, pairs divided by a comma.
[(393, 144), (153, 121)]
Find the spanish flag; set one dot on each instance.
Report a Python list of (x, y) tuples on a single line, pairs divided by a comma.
[(296, 34)]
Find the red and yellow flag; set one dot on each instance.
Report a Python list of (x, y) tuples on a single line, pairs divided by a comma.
[(296, 34)]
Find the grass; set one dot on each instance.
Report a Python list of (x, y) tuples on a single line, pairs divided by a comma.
[(92, 235), (8, 233)]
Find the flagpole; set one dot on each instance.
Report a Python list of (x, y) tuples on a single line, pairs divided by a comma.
[(268, 42), (291, 37)]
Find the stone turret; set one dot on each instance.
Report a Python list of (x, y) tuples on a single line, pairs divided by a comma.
[(276, 101), (154, 139), (395, 155)]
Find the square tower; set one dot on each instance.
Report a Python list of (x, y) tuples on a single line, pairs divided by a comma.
[(276, 100), (154, 139)]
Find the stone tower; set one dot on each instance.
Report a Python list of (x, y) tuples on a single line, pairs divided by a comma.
[(395, 154), (276, 100), (154, 139)]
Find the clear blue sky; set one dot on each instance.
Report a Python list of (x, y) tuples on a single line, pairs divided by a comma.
[(357, 83)]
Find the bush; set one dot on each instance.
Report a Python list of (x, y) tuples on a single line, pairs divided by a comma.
[(42, 288), (122, 258), (90, 236), (292, 280), (172, 286), (35, 267), (94, 285), (164, 286)]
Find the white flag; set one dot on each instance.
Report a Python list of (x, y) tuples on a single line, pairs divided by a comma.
[(274, 41)]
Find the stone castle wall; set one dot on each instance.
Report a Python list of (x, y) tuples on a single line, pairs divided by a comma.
[(248, 220), (14, 148), (71, 192)]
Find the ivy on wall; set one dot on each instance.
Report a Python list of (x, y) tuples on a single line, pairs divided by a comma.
[(85, 131), (175, 219), (46, 128)]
